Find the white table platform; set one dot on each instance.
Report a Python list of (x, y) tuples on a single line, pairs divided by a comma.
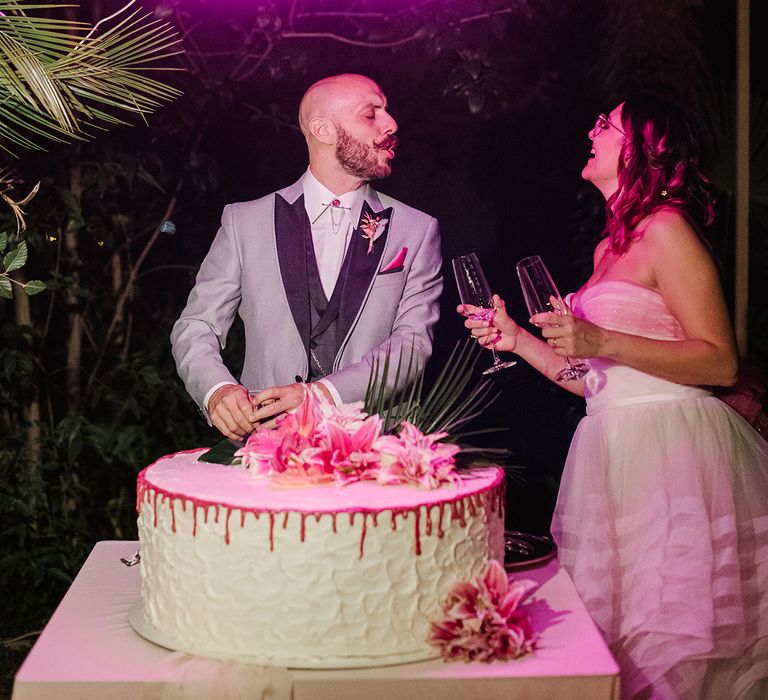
[(89, 650)]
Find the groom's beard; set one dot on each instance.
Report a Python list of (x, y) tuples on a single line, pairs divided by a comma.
[(360, 160)]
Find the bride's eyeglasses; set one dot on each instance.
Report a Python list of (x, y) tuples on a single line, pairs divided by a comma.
[(603, 122)]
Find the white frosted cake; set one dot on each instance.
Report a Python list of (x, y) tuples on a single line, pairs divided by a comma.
[(236, 566)]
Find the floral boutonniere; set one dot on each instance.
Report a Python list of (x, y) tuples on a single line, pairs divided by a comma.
[(369, 226)]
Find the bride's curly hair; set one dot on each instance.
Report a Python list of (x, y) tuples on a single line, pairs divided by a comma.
[(659, 168)]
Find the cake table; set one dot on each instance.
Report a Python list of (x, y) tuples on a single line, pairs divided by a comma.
[(89, 650)]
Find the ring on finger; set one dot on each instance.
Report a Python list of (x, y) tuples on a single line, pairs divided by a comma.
[(554, 342)]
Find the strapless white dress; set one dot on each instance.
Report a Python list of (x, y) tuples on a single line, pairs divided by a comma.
[(662, 520)]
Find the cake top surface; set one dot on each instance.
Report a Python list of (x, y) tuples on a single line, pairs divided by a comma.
[(180, 475)]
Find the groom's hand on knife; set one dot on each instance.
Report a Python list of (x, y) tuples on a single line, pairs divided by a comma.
[(273, 402), (231, 411)]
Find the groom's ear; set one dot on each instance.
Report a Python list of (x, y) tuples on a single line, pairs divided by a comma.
[(322, 129)]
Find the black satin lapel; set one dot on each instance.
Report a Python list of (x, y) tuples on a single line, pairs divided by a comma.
[(316, 292), (291, 225), (359, 268)]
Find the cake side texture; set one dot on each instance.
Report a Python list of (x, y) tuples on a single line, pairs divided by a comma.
[(234, 567)]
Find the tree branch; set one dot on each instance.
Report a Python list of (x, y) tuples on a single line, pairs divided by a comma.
[(351, 42)]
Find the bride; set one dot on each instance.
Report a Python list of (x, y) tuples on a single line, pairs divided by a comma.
[(662, 515)]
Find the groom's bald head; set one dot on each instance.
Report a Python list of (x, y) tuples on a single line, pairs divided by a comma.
[(345, 122), (334, 97)]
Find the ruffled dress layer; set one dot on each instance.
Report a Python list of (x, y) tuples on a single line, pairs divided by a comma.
[(662, 520)]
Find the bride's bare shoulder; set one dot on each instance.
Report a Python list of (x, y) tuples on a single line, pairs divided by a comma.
[(668, 231), (600, 249)]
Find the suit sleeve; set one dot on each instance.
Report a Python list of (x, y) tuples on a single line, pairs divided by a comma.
[(413, 328), (200, 334)]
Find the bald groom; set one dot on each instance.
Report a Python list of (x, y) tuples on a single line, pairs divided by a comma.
[(327, 274)]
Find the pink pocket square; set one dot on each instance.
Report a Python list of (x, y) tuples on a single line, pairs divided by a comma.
[(397, 261)]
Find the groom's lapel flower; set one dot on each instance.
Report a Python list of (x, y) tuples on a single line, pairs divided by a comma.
[(370, 226)]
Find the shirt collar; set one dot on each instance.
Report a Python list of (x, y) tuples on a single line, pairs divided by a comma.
[(317, 196)]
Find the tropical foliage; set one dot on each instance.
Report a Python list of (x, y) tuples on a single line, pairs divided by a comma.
[(62, 78), (454, 399)]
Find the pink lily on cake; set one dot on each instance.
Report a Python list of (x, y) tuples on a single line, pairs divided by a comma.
[(320, 442), (413, 457), (316, 443), (484, 619), (352, 453)]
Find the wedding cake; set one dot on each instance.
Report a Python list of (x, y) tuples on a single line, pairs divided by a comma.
[(254, 565), (233, 566)]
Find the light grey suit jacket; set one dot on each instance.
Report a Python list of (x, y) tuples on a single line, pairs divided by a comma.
[(249, 270)]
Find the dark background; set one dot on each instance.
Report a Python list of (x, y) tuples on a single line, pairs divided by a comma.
[(494, 101)]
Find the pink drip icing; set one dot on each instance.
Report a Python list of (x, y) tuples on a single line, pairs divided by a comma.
[(362, 533), (141, 491), (417, 513), (271, 531), (226, 525), (492, 499)]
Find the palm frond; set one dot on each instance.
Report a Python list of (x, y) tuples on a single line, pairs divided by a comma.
[(448, 406), (65, 77), (401, 398), (27, 80)]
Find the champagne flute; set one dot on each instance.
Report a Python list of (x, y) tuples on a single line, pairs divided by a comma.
[(538, 290), (474, 290)]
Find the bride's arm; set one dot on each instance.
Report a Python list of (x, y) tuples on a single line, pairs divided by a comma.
[(682, 270), (507, 336)]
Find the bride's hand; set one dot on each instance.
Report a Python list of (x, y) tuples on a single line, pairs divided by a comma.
[(501, 332), (570, 336)]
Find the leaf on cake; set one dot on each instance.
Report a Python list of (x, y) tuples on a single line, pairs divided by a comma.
[(222, 452)]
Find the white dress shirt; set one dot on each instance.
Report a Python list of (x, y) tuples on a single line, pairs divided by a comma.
[(332, 218)]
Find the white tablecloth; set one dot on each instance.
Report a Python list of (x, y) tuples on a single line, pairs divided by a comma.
[(89, 650)]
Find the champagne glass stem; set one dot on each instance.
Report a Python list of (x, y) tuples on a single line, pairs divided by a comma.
[(474, 290), (540, 293)]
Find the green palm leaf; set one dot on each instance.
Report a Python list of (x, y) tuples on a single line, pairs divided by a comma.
[(448, 406), (60, 79)]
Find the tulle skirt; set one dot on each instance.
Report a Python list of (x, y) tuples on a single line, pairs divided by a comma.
[(662, 522)]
